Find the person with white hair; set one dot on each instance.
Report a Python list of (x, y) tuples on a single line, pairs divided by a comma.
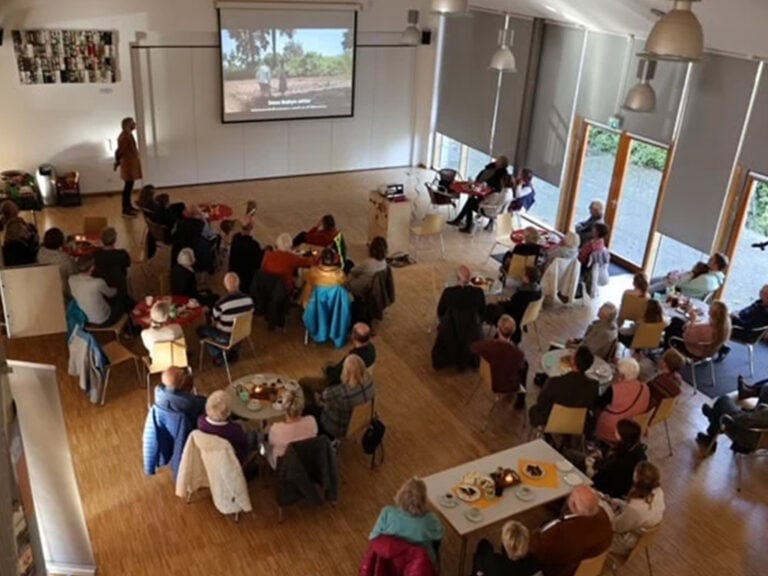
[(216, 421), (295, 428), (184, 280), (160, 330), (585, 229), (625, 398), (584, 532), (568, 248), (602, 334), (283, 262), (513, 557)]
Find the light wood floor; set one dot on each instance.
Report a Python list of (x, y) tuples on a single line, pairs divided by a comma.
[(139, 527)]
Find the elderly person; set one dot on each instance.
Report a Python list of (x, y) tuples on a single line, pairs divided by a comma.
[(515, 306), (245, 253), (160, 330), (361, 346), (112, 264), (321, 234), (584, 531), (595, 244), (184, 279), (513, 559), (128, 160), (410, 519), (93, 296), (361, 276), (19, 245), (192, 230), (700, 339), (284, 263), (642, 510), (507, 361), (52, 253), (585, 229), (530, 246), (295, 428), (624, 399), (216, 421), (328, 273), (668, 383), (335, 404), (747, 319), (653, 314), (223, 314), (568, 248), (699, 282), (602, 334), (174, 393)]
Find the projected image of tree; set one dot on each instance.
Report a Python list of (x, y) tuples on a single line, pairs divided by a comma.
[(286, 69)]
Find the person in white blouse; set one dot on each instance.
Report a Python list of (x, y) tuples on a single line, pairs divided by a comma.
[(643, 509), (159, 330), (295, 428)]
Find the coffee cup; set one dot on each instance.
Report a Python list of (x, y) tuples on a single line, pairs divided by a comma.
[(148, 301)]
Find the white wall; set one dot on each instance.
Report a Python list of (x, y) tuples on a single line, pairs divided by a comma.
[(71, 125)]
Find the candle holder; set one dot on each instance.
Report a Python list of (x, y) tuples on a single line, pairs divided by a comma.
[(504, 478)]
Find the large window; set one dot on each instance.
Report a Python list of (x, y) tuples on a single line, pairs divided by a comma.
[(448, 154), (547, 202), (597, 170), (673, 255), (476, 161)]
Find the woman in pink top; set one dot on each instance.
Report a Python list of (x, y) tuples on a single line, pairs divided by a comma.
[(295, 428), (705, 338), (626, 398)]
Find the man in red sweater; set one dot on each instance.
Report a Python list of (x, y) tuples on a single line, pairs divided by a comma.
[(508, 365)]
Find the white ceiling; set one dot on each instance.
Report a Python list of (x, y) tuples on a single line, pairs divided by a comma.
[(738, 26)]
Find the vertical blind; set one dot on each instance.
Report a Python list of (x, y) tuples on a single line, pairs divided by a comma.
[(753, 154), (602, 76), (553, 102), (720, 91), (467, 89)]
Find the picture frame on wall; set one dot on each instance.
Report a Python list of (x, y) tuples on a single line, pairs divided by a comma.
[(66, 56)]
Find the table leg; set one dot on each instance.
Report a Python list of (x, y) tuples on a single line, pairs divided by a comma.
[(463, 555)]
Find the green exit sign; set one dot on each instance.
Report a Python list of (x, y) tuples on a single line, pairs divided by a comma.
[(615, 122)]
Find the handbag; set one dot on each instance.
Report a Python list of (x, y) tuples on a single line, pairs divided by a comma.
[(373, 440)]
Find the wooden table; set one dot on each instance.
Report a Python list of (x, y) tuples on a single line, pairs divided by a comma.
[(309, 250), (83, 245), (216, 212), (547, 239), (702, 308), (268, 411), (508, 505), (552, 366), (184, 314)]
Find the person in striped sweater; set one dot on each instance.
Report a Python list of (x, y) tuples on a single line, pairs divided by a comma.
[(232, 304)]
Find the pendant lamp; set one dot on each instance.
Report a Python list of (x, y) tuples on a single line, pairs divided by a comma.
[(677, 36), (642, 97), (503, 59), (448, 7), (412, 34)]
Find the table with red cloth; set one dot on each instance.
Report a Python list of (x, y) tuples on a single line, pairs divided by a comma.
[(82, 245), (546, 238), (185, 316), (471, 188), (216, 212)]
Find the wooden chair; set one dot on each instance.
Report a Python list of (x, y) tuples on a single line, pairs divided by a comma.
[(116, 328), (531, 316), (93, 225), (116, 353), (632, 308), (749, 338), (503, 233), (241, 330), (661, 416), (517, 266), (431, 226), (643, 544), (362, 415), (485, 380), (644, 420), (647, 335), (592, 566), (566, 421), (694, 361), (164, 355)]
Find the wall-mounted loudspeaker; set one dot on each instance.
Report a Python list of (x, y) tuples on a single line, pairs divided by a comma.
[(426, 37)]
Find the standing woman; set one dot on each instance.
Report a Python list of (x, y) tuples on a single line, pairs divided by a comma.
[(127, 158)]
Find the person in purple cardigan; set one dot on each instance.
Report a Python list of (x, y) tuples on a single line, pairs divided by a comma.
[(216, 421)]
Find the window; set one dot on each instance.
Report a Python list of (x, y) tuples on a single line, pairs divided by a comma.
[(449, 154), (674, 255), (547, 202), (597, 170), (476, 161)]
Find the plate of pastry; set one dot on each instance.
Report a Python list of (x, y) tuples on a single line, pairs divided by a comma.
[(468, 492), (534, 471)]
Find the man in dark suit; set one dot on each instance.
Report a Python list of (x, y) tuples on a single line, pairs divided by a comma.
[(574, 389), (459, 310)]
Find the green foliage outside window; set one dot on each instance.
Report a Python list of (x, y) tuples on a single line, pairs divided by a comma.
[(643, 155)]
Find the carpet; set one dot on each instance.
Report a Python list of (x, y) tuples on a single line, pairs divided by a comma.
[(499, 257), (616, 270), (727, 371)]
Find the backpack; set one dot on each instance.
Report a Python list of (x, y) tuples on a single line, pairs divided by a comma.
[(373, 440)]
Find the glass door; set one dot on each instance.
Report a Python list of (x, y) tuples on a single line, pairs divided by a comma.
[(602, 148)]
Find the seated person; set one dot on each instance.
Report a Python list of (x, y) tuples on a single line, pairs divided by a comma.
[(583, 532), (654, 314), (361, 276), (327, 273), (321, 234), (601, 335), (52, 253), (700, 339), (295, 428), (595, 244), (568, 248), (284, 263), (513, 559), (165, 213), (753, 390), (174, 393), (747, 319), (624, 399), (524, 194), (515, 306), (642, 510), (184, 279), (216, 421), (496, 177), (574, 390), (112, 264), (233, 304), (530, 246), (93, 296), (159, 329), (19, 244), (459, 312), (585, 229), (146, 201), (508, 366), (245, 253), (410, 519), (639, 286), (194, 231), (334, 405), (742, 420), (701, 281), (361, 346), (10, 210), (668, 383)]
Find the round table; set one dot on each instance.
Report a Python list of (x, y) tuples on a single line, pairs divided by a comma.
[(184, 314), (216, 212), (268, 411), (701, 307), (82, 245), (553, 366), (546, 239)]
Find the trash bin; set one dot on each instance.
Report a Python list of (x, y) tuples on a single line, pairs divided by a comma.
[(46, 183)]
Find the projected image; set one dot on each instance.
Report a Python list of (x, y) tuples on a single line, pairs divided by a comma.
[(287, 73)]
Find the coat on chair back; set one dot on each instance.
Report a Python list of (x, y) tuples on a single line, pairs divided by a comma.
[(165, 434), (391, 556), (328, 315), (308, 471)]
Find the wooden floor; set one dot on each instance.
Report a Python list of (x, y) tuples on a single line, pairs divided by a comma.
[(139, 527)]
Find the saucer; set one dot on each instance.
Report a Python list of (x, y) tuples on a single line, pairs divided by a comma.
[(254, 405), (473, 515), (564, 465), (448, 500), (525, 494), (572, 479)]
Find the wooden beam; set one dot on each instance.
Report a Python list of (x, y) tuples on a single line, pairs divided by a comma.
[(570, 186)]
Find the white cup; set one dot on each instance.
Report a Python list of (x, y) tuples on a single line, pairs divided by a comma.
[(148, 301)]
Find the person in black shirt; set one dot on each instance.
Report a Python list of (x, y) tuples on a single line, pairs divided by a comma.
[(112, 266), (496, 177), (245, 254), (512, 560)]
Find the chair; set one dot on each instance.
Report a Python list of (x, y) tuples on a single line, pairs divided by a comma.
[(592, 566), (749, 338), (164, 355), (694, 361), (486, 381), (632, 308), (115, 328), (93, 225), (503, 233), (761, 447), (439, 198), (531, 316), (644, 420), (432, 225), (362, 414), (643, 544), (241, 330), (116, 353), (566, 421), (647, 335), (516, 267), (661, 416), (493, 211)]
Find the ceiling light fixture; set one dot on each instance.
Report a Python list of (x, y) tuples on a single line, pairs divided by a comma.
[(503, 59), (412, 34), (642, 97), (448, 7), (677, 36)]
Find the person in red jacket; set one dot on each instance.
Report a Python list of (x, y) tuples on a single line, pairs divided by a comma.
[(392, 556), (322, 234)]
